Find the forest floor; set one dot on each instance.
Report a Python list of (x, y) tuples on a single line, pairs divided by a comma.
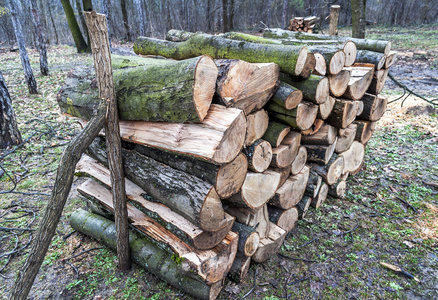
[(390, 212)]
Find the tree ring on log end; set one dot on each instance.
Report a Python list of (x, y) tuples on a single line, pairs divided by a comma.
[(252, 243), (212, 215), (350, 52), (337, 62), (204, 85), (231, 176), (301, 61), (322, 90)]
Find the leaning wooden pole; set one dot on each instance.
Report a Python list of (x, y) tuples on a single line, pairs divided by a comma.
[(52, 214), (98, 32)]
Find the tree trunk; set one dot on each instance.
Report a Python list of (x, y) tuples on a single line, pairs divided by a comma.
[(371, 57), (125, 20), (53, 23), (256, 126), (52, 213), (80, 43), (225, 23), (269, 13), (28, 74), (9, 133), (44, 67), (284, 14), (231, 18), (358, 18), (334, 17), (293, 60), (107, 12), (157, 259), (140, 17)]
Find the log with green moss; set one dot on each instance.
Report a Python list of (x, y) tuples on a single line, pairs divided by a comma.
[(287, 96), (301, 118), (276, 133), (294, 60), (361, 44), (178, 270), (315, 88), (147, 89), (371, 57)]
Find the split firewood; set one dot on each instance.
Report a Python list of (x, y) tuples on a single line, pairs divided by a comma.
[(176, 224), (283, 172), (343, 114), (320, 64), (285, 219), (147, 89), (256, 126), (320, 154), (314, 128), (345, 138), (293, 60), (374, 107), (378, 81), (244, 85), (360, 108), (321, 197), (360, 80), (391, 57), (338, 189), (240, 268), (364, 130), (331, 172), (270, 245), (255, 218), (302, 117), (326, 108), (313, 184), (303, 206), (339, 82), (256, 190), (353, 157), (283, 155), (259, 155), (291, 191), (287, 96), (299, 161), (315, 88), (248, 239), (325, 136), (154, 252)]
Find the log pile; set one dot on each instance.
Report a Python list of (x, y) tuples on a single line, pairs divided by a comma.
[(225, 148), (303, 24)]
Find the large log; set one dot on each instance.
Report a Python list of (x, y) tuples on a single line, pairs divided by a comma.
[(315, 88), (270, 245), (256, 126), (248, 239), (302, 117), (325, 136), (256, 190), (374, 107), (299, 161), (285, 219), (245, 85), (343, 114), (185, 274), (361, 44), (275, 133), (353, 157), (339, 82), (331, 172), (255, 218), (226, 178), (176, 224), (346, 138), (194, 199), (293, 60), (259, 156), (224, 127), (360, 80), (287, 96), (364, 131), (290, 193), (147, 89)]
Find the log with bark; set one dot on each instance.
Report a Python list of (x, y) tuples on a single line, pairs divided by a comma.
[(270, 245), (378, 82), (361, 44), (314, 88), (369, 57), (321, 197), (283, 172), (259, 156), (325, 109), (364, 130), (147, 89), (314, 128), (256, 126), (287, 96), (224, 127), (345, 138), (353, 157), (240, 268), (194, 199), (313, 184), (299, 161), (334, 57), (256, 190), (360, 81), (255, 218), (285, 154), (339, 82), (226, 178), (290, 193), (325, 136), (286, 219), (331, 172), (338, 189), (275, 133), (293, 60), (247, 86), (320, 154), (248, 239), (176, 224), (391, 58), (303, 206), (187, 273), (374, 107), (301, 118), (343, 114)]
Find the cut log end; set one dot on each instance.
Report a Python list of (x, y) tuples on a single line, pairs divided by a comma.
[(337, 62), (320, 65), (293, 99), (212, 216), (339, 82), (204, 85), (350, 51), (320, 198), (231, 176), (251, 244), (322, 90), (261, 157), (299, 161), (306, 115)]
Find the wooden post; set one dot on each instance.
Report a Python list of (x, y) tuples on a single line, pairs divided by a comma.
[(9, 133), (334, 17), (98, 31)]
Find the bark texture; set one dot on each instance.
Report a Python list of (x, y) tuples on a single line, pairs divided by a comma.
[(9, 133)]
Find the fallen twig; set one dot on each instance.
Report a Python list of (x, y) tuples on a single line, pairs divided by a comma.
[(400, 271), (296, 258), (405, 88), (299, 280)]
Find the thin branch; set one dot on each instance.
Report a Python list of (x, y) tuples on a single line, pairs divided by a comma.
[(405, 88)]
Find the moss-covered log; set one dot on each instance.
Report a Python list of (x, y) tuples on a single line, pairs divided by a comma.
[(315, 88), (147, 89), (287, 96), (371, 57), (361, 44), (275, 133), (147, 253), (302, 117), (293, 60)]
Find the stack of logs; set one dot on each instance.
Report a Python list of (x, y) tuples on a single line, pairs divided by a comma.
[(303, 24), (225, 148)]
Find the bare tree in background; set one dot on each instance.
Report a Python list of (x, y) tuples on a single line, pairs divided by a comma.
[(30, 79), (358, 18), (140, 16), (80, 43), (225, 24), (41, 42), (105, 4), (125, 20), (284, 15), (9, 133)]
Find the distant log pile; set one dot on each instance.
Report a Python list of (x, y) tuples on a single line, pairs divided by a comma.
[(227, 144), (303, 24)]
